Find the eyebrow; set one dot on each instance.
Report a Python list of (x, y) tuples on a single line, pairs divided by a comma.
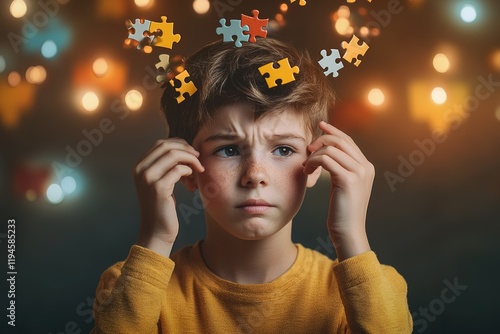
[(231, 137)]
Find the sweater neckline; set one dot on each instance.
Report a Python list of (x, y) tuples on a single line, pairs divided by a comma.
[(274, 289)]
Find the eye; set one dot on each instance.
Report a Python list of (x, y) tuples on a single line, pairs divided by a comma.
[(283, 151), (227, 151)]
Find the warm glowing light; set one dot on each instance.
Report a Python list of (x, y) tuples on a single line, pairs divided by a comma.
[(100, 67), (36, 74), (344, 12), (30, 195), (90, 101), (439, 95), (201, 6), (18, 8), (364, 31), (342, 26), (142, 3), (3, 64), (68, 184), (55, 194), (497, 113), (468, 13), (14, 79), (441, 63), (49, 49), (495, 60), (376, 97), (133, 99), (284, 7)]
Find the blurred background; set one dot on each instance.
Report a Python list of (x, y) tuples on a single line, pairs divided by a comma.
[(79, 106)]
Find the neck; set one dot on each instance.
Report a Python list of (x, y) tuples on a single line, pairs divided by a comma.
[(248, 261)]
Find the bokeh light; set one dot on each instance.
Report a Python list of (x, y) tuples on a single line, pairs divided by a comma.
[(68, 184), (201, 6), (100, 67), (439, 95), (143, 3), (283, 7), (3, 64), (495, 59), (14, 79), (49, 49), (30, 195), (497, 113), (344, 12), (36, 74), (133, 99), (441, 63), (468, 14), (18, 8), (55, 194), (376, 97), (90, 101), (342, 26)]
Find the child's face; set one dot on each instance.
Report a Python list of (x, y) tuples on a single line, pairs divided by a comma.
[(247, 160)]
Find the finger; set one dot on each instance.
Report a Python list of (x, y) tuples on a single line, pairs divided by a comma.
[(330, 130), (339, 143), (168, 161), (330, 165), (160, 148), (343, 159)]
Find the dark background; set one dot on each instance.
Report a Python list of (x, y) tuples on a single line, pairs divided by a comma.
[(440, 224)]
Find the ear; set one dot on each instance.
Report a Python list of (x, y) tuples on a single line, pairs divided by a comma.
[(190, 182), (313, 177)]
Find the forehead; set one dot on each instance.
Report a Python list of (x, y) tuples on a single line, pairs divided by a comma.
[(240, 119)]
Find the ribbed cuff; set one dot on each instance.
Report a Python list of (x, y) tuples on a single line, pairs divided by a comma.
[(357, 270), (146, 265)]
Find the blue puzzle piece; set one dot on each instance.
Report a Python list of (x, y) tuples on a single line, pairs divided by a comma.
[(332, 63), (234, 29), (137, 30)]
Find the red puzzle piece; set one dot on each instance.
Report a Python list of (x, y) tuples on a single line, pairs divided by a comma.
[(256, 26)]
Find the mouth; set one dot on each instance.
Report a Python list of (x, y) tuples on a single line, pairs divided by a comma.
[(255, 206)]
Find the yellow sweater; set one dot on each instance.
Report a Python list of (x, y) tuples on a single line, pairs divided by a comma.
[(149, 293)]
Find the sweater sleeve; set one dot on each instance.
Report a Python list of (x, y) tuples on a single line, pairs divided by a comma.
[(373, 295), (130, 294)]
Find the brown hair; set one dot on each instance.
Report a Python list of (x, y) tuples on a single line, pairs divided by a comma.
[(225, 74)]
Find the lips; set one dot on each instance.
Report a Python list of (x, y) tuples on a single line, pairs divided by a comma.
[(254, 206)]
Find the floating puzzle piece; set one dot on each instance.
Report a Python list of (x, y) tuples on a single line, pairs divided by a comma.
[(166, 38), (138, 31), (162, 66), (234, 29), (354, 50), (256, 26), (185, 87), (284, 72), (303, 2), (333, 62)]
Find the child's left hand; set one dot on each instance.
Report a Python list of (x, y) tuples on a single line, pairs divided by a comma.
[(351, 184)]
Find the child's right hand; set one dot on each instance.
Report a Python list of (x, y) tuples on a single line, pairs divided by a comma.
[(155, 177)]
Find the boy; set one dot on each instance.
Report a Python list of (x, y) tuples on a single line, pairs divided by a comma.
[(251, 151)]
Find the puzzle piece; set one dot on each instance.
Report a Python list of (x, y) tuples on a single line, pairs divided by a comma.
[(162, 66), (303, 2), (234, 29), (333, 62), (163, 33), (256, 26), (185, 87), (138, 31), (354, 50), (284, 72)]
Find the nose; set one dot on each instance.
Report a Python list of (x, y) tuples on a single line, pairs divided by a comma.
[(254, 173)]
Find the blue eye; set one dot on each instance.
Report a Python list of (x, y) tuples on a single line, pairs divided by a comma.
[(227, 151), (284, 151)]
